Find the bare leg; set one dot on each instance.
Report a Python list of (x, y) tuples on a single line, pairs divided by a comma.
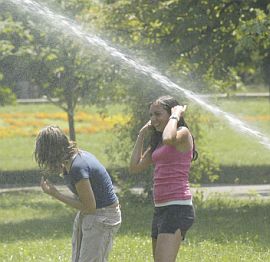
[(167, 246)]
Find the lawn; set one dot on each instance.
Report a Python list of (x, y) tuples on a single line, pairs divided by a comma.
[(34, 227), (20, 124), (230, 148), (242, 158)]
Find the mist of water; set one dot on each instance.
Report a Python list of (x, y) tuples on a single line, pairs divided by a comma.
[(64, 24)]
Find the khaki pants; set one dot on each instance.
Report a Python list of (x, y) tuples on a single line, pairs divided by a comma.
[(93, 234)]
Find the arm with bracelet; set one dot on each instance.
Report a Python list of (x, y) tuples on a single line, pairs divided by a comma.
[(175, 117), (170, 135)]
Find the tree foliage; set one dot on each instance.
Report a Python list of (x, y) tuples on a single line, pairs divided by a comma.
[(6, 96), (212, 44), (61, 65), (15, 44), (195, 39)]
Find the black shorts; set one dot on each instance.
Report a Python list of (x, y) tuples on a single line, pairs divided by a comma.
[(168, 219)]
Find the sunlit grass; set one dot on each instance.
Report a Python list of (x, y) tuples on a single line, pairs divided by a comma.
[(232, 147), (229, 147), (17, 151), (34, 227)]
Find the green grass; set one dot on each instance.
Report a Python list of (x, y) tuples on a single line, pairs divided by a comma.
[(34, 227), (230, 146), (50, 108), (17, 152)]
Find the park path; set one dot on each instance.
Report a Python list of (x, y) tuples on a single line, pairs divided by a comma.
[(235, 191)]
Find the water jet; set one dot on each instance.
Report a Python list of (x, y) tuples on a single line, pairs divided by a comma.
[(75, 29)]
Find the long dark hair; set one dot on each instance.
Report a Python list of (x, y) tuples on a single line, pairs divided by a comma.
[(168, 102)]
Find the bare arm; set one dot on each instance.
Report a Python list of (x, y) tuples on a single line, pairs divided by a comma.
[(140, 159), (86, 201), (178, 137)]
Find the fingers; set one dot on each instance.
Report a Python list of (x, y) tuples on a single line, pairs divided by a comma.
[(147, 125), (42, 182), (179, 109), (183, 108), (45, 185)]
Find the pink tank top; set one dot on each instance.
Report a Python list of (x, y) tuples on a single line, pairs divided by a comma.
[(171, 174)]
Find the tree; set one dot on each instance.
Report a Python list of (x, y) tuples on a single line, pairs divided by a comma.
[(71, 77), (253, 41), (6, 96), (60, 65), (15, 41), (194, 40)]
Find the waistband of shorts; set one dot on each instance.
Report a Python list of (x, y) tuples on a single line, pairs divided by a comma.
[(186, 202), (113, 205), (111, 208)]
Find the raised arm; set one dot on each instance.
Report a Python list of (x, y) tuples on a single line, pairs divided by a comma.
[(178, 137), (140, 159)]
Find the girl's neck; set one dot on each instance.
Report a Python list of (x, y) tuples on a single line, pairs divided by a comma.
[(67, 164)]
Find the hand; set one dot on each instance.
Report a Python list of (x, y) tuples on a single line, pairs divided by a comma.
[(146, 127), (178, 110), (48, 187)]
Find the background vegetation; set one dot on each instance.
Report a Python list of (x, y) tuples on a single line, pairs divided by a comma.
[(34, 227), (204, 46), (242, 159)]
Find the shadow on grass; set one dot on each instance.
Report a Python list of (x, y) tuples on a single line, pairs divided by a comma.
[(33, 176), (249, 175), (218, 220), (22, 200), (56, 220), (24, 177), (43, 228)]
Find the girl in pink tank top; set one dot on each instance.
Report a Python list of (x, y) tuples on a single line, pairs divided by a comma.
[(171, 151), (171, 175)]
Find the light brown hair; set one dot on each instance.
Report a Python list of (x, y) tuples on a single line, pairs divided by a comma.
[(53, 148)]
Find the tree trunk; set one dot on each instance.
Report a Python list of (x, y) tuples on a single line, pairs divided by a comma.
[(70, 113), (72, 134)]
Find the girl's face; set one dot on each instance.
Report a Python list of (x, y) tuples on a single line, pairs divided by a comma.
[(159, 117)]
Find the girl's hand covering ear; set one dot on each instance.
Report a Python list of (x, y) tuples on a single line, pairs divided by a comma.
[(146, 127), (178, 110)]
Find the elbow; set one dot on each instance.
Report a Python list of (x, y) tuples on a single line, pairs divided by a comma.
[(89, 209), (133, 170), (134, 167)]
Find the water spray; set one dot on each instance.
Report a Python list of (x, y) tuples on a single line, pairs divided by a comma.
[(63, 23)]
